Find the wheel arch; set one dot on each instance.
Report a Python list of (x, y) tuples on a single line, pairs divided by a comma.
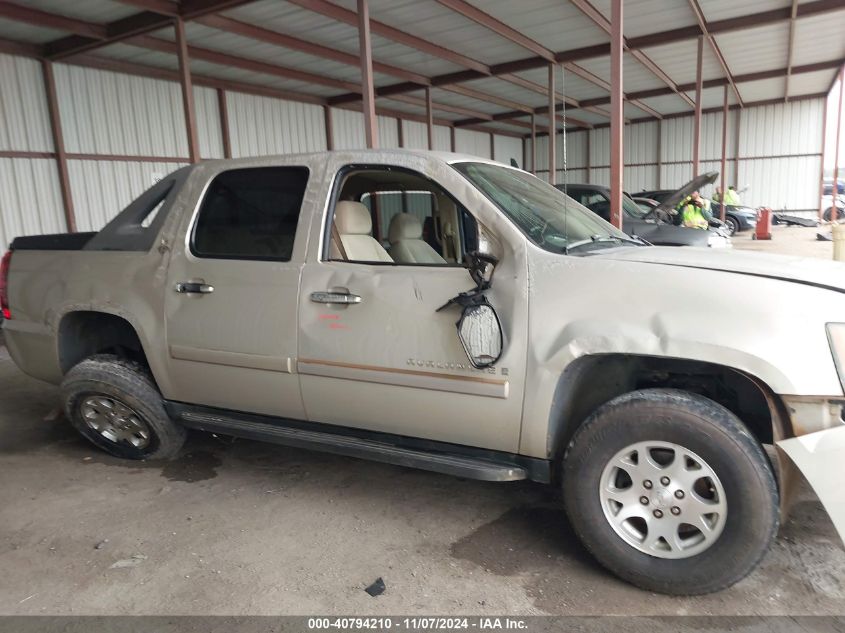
[(592, 380), (85, 333)]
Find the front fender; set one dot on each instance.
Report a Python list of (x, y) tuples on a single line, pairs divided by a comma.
[(819, 456)]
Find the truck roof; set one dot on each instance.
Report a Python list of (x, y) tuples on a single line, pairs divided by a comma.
[(446, 157)]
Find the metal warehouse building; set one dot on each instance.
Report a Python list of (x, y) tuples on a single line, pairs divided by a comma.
[(100, 98)]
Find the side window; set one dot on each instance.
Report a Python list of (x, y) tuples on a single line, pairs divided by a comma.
[(250, 214), (394, 216)]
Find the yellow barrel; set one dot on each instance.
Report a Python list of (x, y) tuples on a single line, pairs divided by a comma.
[(839, 242)]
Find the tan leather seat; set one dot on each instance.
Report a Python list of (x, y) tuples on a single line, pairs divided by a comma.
[(354, 225), (406, 243)]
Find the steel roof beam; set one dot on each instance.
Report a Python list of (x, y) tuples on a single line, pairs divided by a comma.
[(162, 7), (686, 113), (814, 7), (154, 72), (512, 35), (202, 54), (702, 23), (473, 68), (789, 47), (136, 24), (340, 14), (500, 28), (721, 81), (215, 57), (36, 17), (604, 24), (254, 32)]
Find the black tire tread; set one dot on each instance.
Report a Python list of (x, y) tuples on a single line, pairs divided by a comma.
[(721, 421), (134, 380)]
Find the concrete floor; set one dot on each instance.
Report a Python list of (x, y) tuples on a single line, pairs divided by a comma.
[(247, 528), (788, 240)]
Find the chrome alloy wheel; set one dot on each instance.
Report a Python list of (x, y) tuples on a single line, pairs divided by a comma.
[(115, 421), (663, 499)]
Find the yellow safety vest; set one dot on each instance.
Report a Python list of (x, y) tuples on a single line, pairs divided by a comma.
[(691, 217)]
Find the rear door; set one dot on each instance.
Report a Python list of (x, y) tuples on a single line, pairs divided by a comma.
[(233, 288)]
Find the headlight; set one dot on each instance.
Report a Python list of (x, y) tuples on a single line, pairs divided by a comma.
[(836, 337), (716, 240)]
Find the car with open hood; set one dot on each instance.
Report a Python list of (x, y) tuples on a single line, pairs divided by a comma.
[(656, 224), (738, 218), (298, 300)]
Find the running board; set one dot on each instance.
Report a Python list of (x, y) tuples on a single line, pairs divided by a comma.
[(449, 464)]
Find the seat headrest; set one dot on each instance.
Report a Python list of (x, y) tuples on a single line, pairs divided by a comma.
[(404, 226), (352, 218)]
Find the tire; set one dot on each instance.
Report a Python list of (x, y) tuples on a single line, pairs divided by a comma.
[(828, 214), (743, 480), (115, 405), (732, 224)]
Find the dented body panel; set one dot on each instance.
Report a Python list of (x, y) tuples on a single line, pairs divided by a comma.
[(393, 364)]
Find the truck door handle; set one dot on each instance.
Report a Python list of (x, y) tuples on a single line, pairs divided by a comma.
[(193, 287), (344, 298)]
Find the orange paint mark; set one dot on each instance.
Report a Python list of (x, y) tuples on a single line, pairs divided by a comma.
[(333, 317)]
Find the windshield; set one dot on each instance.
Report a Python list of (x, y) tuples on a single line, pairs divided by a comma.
[(632, 208), (550, 219)]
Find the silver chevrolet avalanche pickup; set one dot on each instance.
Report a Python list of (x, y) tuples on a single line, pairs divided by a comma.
[(454, 314)]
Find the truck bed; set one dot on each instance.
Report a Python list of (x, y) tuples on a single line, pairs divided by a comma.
[(56, 242)]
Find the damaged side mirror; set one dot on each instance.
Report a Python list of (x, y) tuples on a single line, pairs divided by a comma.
[(479, 328), (481, 334)]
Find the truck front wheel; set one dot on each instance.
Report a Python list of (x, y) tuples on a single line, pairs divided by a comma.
[(115, 404), (669, 491)]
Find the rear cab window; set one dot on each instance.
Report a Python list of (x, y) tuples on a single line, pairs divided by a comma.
[(250, 213)]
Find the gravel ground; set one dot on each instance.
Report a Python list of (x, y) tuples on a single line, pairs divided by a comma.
[(246, 528)]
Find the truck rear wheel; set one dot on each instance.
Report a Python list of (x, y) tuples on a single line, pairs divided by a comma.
[(115, 404), (669, 491)]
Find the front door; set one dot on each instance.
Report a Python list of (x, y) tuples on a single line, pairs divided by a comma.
[(232, 294), (387, 360)]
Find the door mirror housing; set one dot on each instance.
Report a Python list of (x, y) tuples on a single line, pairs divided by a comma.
[(481, 334), (481, 267)]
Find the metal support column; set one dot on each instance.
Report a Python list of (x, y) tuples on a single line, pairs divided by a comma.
[(524, 155), (723, 179), (834, 211), (533, 145), (59, 145), (492, 146), (429, 118), (696, 126), (736, 145), (223, 112), (659, 141), (821, 170), (367, 91), (589, 159), (327, 118), (187, 91), (452, 138), (552, 124), (617, 121)]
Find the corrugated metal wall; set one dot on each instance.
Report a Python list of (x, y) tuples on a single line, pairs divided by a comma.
[(122, 132), (110, 113), (30, 200), (472, 142), (102, 188), (415, 136), (261, 126), (208, 122), (779, 154)]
